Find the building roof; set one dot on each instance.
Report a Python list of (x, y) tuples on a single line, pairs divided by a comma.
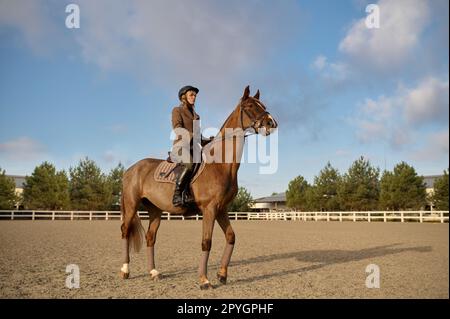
[(430, 179), (19, 180), (280, 197)]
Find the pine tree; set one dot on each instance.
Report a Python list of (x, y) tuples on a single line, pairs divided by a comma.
[(8, 197), (242, 202), (115, 181), (440, 195), (89, 187), (46, 189), (359, 189), (402, 189), (297, 194), (326, 186)]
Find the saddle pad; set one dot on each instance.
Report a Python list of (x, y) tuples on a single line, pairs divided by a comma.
[(164, 167)]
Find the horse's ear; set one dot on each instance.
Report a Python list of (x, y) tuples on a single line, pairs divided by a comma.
[(257, 95), (246, 92)]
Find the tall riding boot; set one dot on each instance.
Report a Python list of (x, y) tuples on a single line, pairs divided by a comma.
[(180, 185)]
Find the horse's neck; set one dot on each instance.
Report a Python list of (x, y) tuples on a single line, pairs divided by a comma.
[(232, 122)]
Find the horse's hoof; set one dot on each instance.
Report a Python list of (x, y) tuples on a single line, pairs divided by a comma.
[(156, 277), (124, 275), (206, 286), (222, 279)]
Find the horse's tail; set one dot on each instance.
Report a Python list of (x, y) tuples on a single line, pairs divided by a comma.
[(135, 231)]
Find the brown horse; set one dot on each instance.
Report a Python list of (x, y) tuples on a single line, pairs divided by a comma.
[(213, 190)]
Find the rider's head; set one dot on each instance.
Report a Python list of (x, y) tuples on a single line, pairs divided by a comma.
[(187, 94)]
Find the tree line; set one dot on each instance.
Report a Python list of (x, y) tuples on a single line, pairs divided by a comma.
[(362, 188), (84, 187)]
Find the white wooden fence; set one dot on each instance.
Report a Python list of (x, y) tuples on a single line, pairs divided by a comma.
[(373, 216)]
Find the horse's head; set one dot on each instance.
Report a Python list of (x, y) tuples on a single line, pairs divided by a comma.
[(253, 114)]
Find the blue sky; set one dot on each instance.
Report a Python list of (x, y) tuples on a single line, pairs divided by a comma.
[(337, 89)]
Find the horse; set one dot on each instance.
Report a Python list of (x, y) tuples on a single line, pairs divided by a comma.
[(213, 190)]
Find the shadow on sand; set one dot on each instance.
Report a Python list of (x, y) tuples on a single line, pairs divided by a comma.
[(321, 258)]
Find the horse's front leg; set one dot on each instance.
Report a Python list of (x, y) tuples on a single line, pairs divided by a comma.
[(209, 217), (230, 238)]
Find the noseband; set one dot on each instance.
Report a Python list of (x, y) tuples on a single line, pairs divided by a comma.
[(256, 122)]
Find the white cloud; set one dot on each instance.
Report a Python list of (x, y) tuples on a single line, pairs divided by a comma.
[(371, 131), (330, 71), (436, 147), (429, 102), (401, 25), (398, 119), (320, 62), (22, 149), (171, 43), (166, 43), (33, 21)]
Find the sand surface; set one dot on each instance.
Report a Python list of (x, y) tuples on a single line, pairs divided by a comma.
[(272, 259)]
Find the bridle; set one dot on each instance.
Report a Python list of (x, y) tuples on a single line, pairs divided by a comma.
[(256, 122)]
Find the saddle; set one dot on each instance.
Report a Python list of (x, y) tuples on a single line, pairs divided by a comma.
[(167, 172)]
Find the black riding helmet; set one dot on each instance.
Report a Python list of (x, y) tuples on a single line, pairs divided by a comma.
[(186, 88)]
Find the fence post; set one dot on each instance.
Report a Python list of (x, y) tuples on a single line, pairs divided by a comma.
[(420, 216), (196, 216), (168, 216), (340, 216), (90, 215), (328, 216), (106, 215), (442, 216), (402, 217), (71, 215), (354, 216), (12, 215), (384, 216), (235, 216), (53, 215), (368, 216), (32, 215)]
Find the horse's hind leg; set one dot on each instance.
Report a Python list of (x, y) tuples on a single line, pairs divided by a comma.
[(154, 222), (129, 209)]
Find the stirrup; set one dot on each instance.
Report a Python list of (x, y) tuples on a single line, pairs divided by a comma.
[(177, 200), (188, 198)]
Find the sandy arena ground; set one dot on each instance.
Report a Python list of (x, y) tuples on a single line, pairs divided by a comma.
[(272, 259)]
